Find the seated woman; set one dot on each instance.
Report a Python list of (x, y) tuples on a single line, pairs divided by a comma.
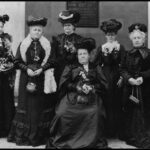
[(79, 116), (136, 73)]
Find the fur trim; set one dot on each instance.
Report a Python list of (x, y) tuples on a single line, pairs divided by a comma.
[(17, 81), (26, 43), (49, 80)]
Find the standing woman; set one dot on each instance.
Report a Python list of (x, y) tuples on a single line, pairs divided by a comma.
[(35, 81), (136, 73), (79, 116), (109, 57), (63, 44), (7, 108)]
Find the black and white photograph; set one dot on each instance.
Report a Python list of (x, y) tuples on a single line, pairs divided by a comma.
[(75, 74)]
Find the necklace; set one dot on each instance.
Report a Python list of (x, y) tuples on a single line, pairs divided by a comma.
[(36, 57)]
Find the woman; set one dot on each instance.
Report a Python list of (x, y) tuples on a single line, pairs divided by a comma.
[(109, 56), (7, 108), (136, 73), (35, 81), (63, 44), (79, 116)]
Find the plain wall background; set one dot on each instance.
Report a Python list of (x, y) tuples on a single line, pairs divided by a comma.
[(126, 12)]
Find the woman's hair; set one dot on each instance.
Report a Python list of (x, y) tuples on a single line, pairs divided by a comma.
[(143, 34), (111, 25)]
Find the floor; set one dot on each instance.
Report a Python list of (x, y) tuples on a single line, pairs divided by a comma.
[(113, 143)]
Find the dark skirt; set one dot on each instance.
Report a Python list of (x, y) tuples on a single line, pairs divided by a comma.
[(7, 107), (135, 133), (33, 115), (77, 126), (112, 102)]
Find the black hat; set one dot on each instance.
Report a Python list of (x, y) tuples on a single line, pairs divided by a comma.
[(4, 18), (69, 16), (137, 26), (86, 43), (36, 21), (111, 25)]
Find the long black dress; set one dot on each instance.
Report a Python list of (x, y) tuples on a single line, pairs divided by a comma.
[(136, 64), (110, 62), (7, 107), (78, 124), (34, 111)]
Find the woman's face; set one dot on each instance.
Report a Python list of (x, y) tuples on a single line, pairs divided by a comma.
[(110, 37), (68, 28), (137, 39), (83, 56), (36, 31), (1, 27)]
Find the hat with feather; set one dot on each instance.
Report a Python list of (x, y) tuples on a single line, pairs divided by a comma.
[(32, 21), (69, 16)]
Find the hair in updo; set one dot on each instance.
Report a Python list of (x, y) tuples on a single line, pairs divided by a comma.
[(143, 34)]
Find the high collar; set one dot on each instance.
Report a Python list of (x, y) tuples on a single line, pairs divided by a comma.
[(142, 50), (69, 34), (35, 40), (77, 64)]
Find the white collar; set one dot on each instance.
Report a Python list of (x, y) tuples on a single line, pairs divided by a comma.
[(86, 67)]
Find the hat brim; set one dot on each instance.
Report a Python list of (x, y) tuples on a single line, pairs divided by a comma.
[(72, 21), (42, 22)]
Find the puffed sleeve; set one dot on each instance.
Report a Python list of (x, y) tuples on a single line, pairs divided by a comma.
[(97, 58), (19, 63), (122, 56), (146, 74), (64, 81), (51, 63), (123, 69)]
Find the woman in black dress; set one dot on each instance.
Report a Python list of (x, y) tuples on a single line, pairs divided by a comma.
[(136, 73), (80, 115), (35, 81), (63, 44), (7, 107), (109, 56)]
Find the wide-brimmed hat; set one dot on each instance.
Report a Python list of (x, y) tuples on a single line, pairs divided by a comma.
[(69, 16), (32, 21), (111, 25), (86, 43), (137, 26), (4, 18)]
